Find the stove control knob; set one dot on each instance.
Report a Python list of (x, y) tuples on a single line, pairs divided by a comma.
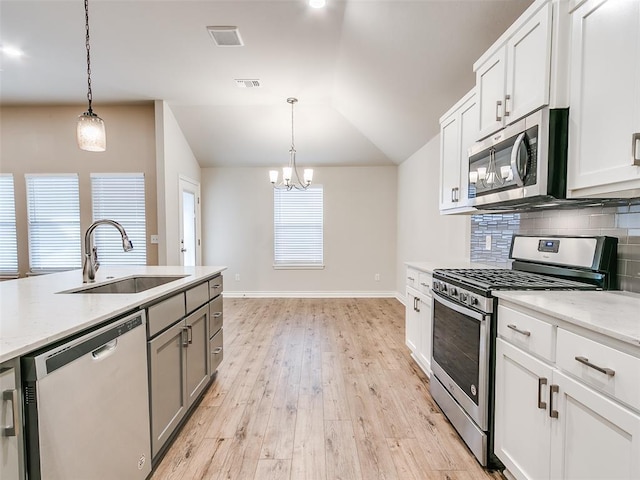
[(443, 287), (473, 301), (453, 292), (463, 297)]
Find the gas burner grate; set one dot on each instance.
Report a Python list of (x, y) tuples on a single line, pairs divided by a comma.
[(503, 279)]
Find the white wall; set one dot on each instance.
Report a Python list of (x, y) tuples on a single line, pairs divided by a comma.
[(359, 232), (173, 158), (424, 234)]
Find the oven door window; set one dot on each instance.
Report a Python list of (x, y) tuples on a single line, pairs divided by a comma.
[(456, 347)]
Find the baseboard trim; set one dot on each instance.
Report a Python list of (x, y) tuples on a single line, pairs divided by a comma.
[(230, 294)]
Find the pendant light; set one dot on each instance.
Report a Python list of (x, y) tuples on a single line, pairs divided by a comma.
[(290, 177), (90, 132)]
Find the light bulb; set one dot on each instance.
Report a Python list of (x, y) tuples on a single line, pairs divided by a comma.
[(482, 173), (273, 176), (308, 175), (505, 172), (286, 174), (317, 3), (473, 177)]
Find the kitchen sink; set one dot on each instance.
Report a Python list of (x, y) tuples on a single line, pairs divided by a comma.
[(134, 284)]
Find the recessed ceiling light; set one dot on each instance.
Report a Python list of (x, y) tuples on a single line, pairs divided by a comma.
[(317, 3), (12, 52)]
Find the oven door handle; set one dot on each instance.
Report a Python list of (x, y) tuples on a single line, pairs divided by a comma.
[(459, 308)]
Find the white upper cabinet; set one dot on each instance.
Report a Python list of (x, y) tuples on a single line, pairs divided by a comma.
[(458, 131), (604, 86), (513, 77)]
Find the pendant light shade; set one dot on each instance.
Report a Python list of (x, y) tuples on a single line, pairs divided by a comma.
[(90, 132)]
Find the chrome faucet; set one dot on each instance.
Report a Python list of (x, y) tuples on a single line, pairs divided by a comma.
[(91, 264)]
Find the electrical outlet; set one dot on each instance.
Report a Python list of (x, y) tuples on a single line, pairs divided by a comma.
[(237, 277), (376, 277), (155, 239), (487, 242)]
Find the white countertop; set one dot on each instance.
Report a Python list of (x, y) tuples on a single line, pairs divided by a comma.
[(612, 313), (429, 266), (33, 314)]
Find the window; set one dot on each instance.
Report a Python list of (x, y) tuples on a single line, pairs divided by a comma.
[(53, 214), (8, 240), (298, 228), (119, 197)]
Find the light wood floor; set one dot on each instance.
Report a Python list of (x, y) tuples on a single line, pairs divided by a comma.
[(317, 389)]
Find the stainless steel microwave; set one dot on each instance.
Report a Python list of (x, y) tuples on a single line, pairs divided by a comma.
[(523, 164)]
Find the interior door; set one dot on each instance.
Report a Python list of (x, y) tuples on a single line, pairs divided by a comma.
[(190, 244)]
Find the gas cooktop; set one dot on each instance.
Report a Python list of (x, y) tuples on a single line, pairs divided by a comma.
[(504, 279)]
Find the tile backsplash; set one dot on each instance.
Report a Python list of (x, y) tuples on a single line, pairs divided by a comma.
[(619, 221)]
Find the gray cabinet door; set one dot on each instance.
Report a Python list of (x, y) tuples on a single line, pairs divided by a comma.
[(197, 352), (168, 387)]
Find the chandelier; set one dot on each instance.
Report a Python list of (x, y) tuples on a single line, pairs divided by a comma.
[(290, 177), (90, 132), (489, 177)]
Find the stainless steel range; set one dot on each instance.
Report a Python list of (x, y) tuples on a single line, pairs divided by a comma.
[(464, 321)]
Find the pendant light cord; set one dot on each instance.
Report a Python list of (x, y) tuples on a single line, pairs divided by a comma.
[(88, 46)]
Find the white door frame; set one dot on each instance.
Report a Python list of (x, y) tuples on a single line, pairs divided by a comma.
[(188, 184)]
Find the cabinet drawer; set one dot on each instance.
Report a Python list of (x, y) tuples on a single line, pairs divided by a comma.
[(216, 285), (197, 296), (215, 315), (526, 332), (164, 313), (623, 378), (413, 277), (424, 282), (216, 348)]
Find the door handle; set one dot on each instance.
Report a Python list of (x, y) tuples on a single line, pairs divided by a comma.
[(542, 405), (498, 104), (11, 396), (553, 389), (506, 110), (516, 329), (605, 370), (217, 350), (635, 149), (185, 341), (190, 334), (417, 305)]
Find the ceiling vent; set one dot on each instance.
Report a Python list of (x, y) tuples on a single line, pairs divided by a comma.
[(225, 36), (247, 83)]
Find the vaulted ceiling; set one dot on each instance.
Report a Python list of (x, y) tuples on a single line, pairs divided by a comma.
[(372, 77)]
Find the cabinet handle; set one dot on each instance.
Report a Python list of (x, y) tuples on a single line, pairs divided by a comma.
[(216, 286), (11, 396), (453, 196), (542, 405), (553, 389), (411, 278), (424, 284), (190, 334), (185, 341), (217, 314), (635, 149), (217, 350), (417, 305), (521, 332), (585, 361), (498, 104), (506, 110)]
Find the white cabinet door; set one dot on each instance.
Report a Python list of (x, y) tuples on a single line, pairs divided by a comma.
[(425, 331), (529, 66), (522, 422), (458, 131), (593, 437), (490, 85), (11, 454), (412, 321), (605, 99)]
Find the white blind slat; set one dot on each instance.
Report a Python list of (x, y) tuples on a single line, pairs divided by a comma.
[(8, 238), (298, 226), (120, 197), (53, 211)]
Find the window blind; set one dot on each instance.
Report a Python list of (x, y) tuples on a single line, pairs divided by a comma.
[(53, 214), (8, 239), (120, 197), (298, 227)]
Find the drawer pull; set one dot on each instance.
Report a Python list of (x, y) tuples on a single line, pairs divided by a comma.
[(216, 286), (217, 351), (542, 405), (585, 361), (411, 278), (553, 389), (516, 329), (424, 284), (11, 396), (217, 314)]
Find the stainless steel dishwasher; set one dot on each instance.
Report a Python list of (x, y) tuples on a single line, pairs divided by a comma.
[(87, 406)]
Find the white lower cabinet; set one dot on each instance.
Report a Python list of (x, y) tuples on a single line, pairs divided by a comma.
[(549, 424), (418, 322)]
